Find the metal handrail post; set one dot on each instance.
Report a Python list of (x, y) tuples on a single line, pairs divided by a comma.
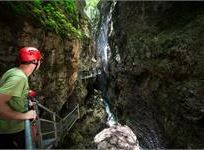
[(28, 136), (28, 133), (39, 126)]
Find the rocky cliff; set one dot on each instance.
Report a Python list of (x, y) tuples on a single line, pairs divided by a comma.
[(157, 71), (59, 30)]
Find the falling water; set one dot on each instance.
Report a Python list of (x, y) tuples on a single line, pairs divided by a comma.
[(111, 120), (103, 50), (148, 136), (102, 40)]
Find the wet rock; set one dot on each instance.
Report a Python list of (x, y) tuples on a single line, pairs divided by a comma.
[(158, 83), (117, 137)]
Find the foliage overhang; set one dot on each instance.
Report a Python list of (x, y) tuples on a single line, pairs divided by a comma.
[(56, 16)]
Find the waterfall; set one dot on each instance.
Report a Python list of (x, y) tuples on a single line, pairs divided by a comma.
[(102, 52), (111, 120), (116, 136), (103, 48)]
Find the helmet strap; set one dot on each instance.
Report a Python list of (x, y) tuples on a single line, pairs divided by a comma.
[(36, 65)]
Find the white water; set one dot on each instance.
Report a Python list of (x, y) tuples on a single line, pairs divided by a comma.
[(102, 53), (103, 48), (111, 120)]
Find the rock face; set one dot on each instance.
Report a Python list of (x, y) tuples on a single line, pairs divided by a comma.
[(117, 137), (55, 80), (92, 120), (57, 83), (157, 72)]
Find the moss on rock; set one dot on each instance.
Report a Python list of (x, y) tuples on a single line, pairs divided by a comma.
[(57, 16)]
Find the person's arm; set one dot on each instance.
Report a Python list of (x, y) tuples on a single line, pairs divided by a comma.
[(7, 113)]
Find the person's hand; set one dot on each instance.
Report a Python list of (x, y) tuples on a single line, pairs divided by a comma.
[(31, 114)]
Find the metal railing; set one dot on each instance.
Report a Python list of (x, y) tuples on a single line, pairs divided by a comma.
[(28, 134), (51, 131), (68, 121), (89, 73), (42, 141)]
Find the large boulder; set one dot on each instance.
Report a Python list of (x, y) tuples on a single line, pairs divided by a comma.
[(117, 137)]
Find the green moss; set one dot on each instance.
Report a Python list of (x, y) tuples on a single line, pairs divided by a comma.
[(56, 16)]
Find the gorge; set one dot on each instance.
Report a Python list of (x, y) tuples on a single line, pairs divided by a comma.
[(150, 55)]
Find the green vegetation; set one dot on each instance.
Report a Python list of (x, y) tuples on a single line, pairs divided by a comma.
[(57, 16), (91, 8), (92, 12)]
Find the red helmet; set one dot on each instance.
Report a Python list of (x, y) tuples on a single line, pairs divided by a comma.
[(28, 54)]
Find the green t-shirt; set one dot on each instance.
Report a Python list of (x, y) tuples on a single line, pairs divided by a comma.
[(14, 83)]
